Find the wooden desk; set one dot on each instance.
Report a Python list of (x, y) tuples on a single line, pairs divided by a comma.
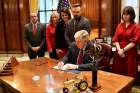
[(25, 73)]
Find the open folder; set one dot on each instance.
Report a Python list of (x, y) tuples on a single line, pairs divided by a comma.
[(69, 70)]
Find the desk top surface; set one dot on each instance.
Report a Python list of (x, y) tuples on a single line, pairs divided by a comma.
[(37, 76)]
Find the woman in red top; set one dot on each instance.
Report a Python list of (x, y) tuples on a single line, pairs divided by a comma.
[(50, 35), (126, 39)]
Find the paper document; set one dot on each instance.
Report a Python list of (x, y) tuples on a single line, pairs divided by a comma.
[(68, 70)]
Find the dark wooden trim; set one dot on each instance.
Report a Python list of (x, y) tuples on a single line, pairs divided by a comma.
[(20, 28), (11, 52), (2, 40), (4, 26), (24, 18), (100, 19), (116, 15)]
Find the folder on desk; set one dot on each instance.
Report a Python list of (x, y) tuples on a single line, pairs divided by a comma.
[(69, 70), (73, 71)]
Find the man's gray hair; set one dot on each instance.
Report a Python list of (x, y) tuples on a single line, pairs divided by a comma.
[(82, 34)]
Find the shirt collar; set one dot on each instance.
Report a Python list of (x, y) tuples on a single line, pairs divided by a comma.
[(35, 23)]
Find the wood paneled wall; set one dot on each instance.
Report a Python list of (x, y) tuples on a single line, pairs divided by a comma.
[(2, 33), (115, 14), (12, 26), (14, 14), (24, 19)]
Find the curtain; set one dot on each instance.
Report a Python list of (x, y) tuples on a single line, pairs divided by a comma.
[(34, 6)]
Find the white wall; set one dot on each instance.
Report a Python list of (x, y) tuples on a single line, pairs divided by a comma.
[(134, 4)]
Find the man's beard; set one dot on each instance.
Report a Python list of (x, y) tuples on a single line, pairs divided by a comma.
[(77, 17)]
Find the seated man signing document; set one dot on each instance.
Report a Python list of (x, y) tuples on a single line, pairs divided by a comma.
[(76, 57)]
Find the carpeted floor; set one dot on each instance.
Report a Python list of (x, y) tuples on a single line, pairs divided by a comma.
[(22, 57), (136, 89)]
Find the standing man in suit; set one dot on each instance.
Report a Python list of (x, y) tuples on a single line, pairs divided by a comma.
[(35, 37), (77, 23), (76, 52)]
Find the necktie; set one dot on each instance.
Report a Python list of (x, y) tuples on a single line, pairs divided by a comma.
[(34, 28), (80, 57)]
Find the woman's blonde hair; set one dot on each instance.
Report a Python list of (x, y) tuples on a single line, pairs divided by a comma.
[(54, 14)]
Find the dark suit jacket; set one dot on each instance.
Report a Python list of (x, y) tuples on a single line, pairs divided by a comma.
[(73, 26), (60, 41), (72, 54), (90, 66), (34, 40)]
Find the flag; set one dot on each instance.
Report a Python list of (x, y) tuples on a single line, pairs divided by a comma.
[(62, 4)]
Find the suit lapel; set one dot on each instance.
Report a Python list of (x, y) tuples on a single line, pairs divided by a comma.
[(31, 27), (88, 46)]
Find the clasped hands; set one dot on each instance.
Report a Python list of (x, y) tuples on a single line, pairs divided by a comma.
[(66, 66), (121, 53), (35, 49)]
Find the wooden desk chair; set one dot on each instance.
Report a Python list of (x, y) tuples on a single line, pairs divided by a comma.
[(105, 63)]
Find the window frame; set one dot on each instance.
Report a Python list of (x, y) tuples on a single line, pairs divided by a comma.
[(45, 10)]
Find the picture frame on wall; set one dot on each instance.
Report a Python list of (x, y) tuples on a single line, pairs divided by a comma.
[(99, 40)]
